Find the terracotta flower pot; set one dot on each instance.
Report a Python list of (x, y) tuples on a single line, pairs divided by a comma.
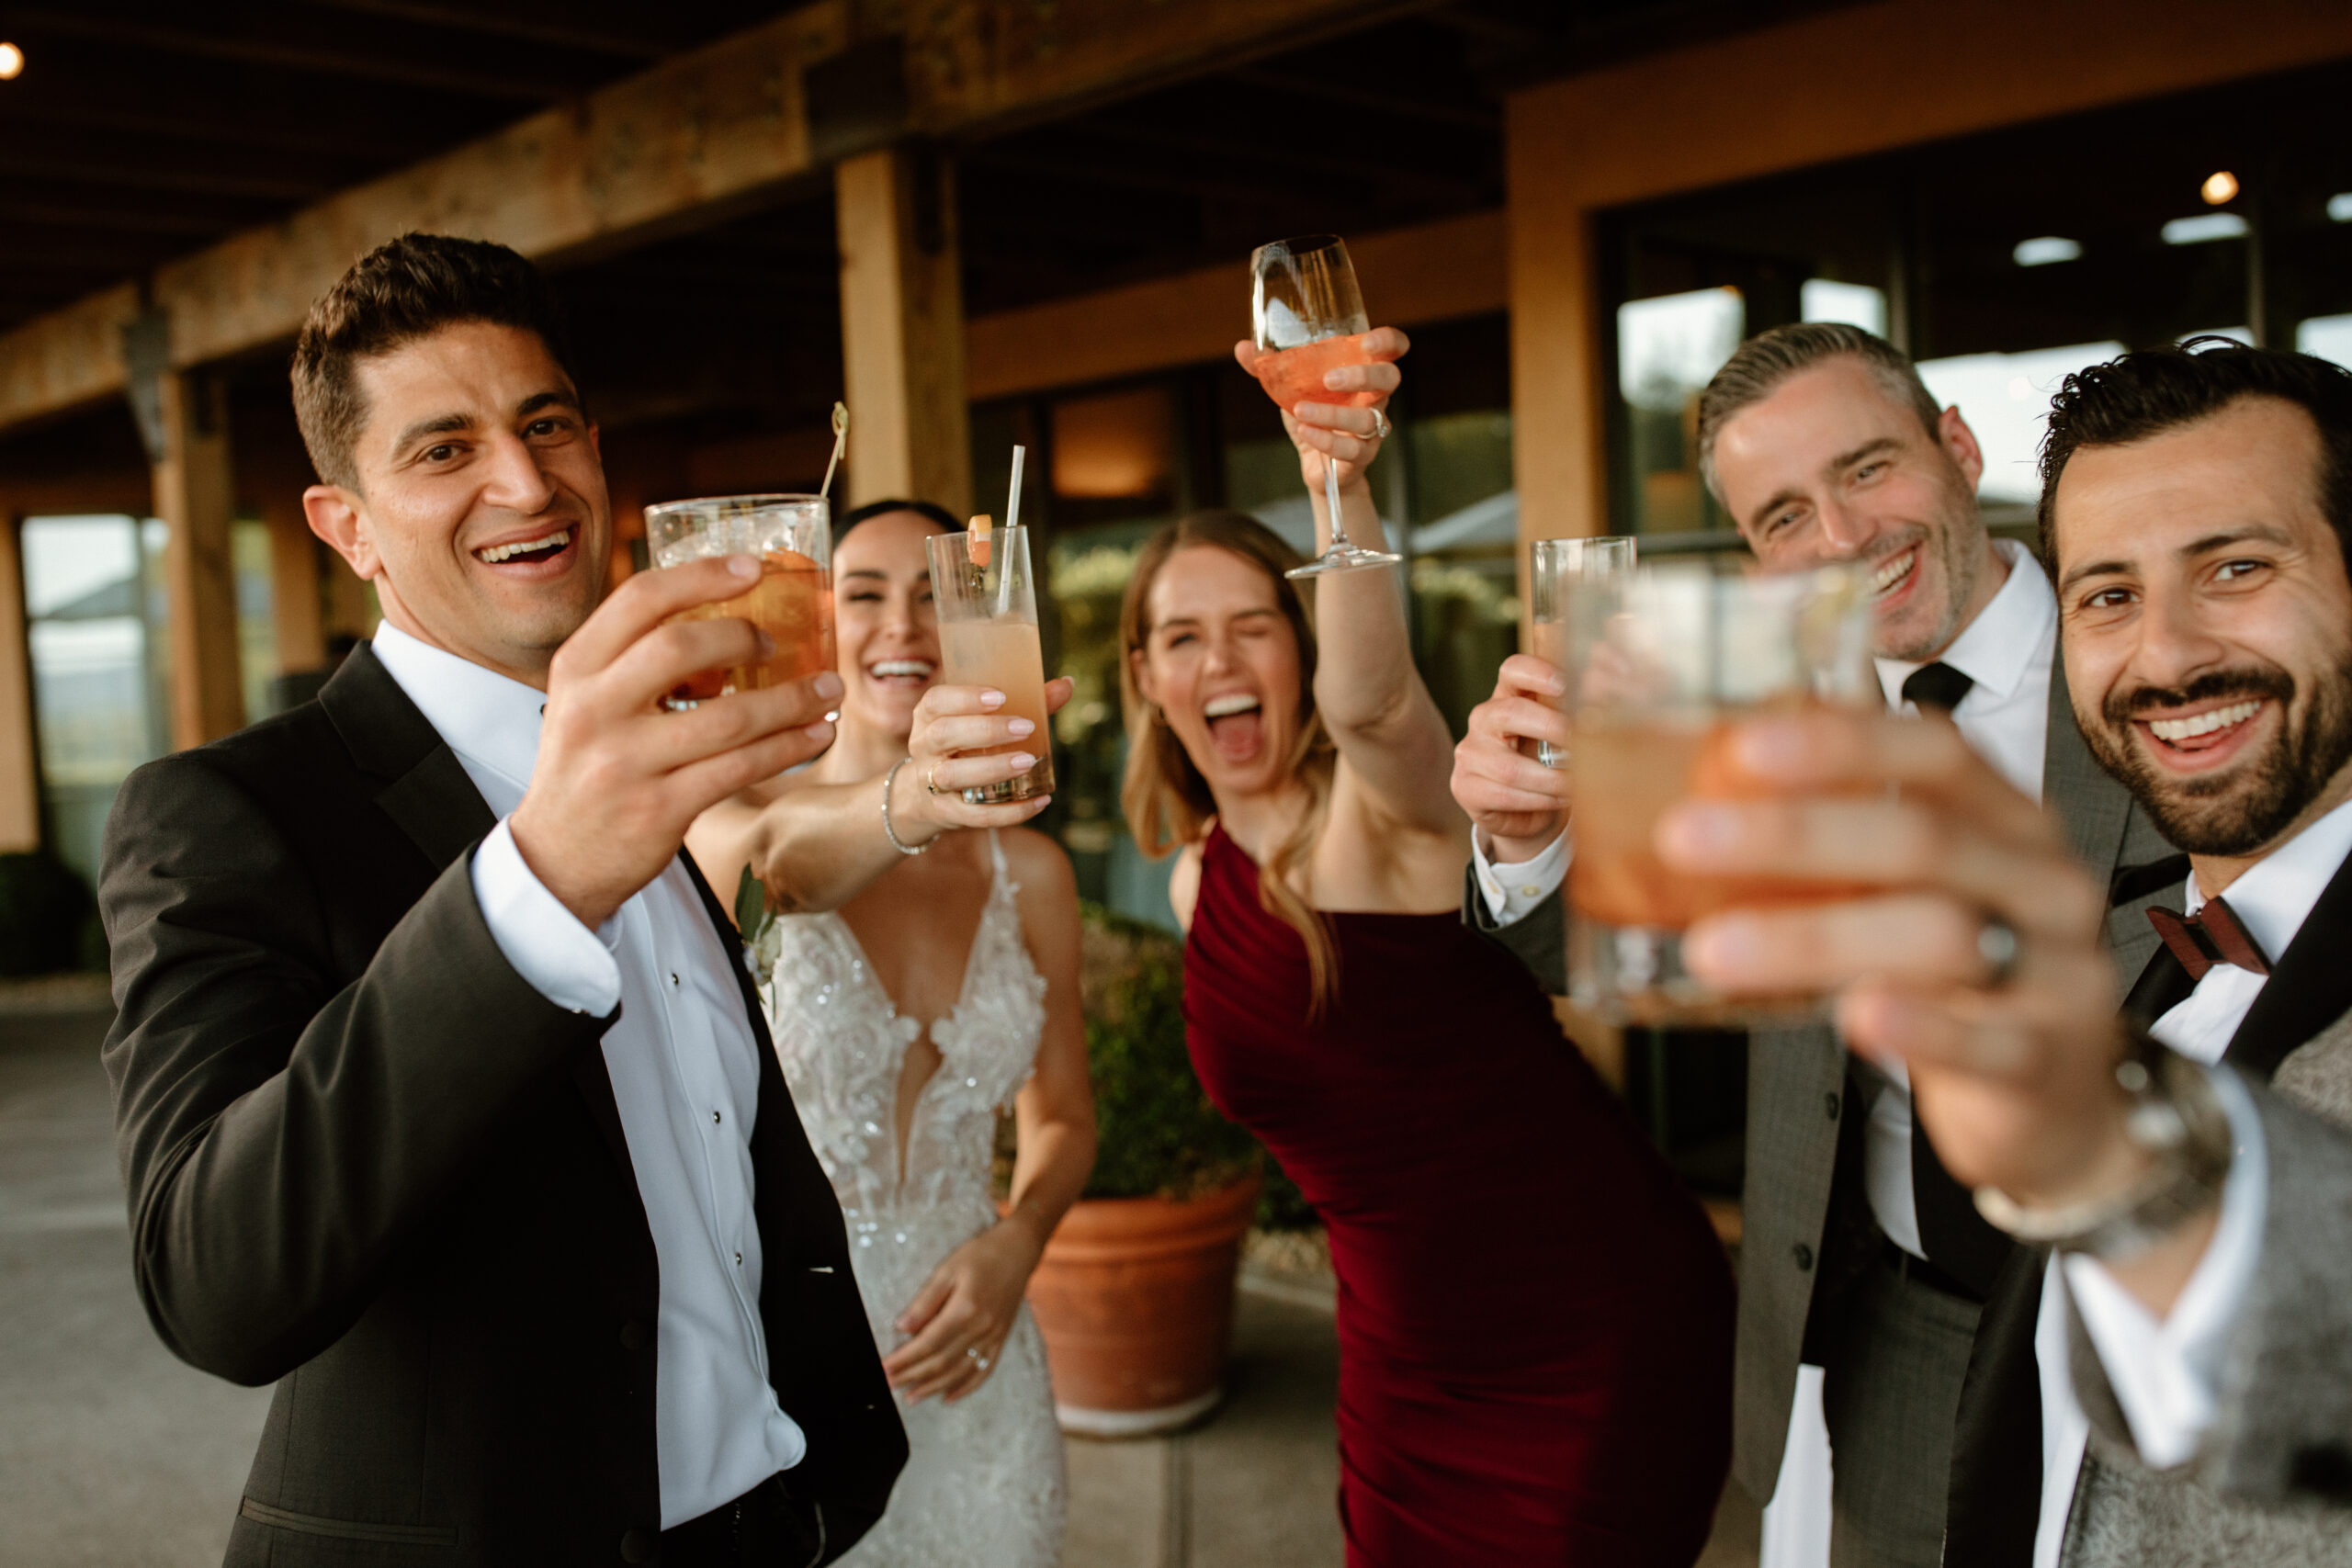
[(1135, 1298)]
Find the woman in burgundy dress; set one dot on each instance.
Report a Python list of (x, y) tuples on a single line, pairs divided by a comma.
[(1534, 1319)]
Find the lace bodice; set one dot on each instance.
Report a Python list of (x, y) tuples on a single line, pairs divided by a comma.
[(842, 1040), (984, 1486)]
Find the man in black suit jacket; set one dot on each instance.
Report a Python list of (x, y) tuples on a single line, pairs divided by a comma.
[(540, 1276)]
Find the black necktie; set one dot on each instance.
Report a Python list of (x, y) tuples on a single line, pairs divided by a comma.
[(1956, 1238), (1931, 687)]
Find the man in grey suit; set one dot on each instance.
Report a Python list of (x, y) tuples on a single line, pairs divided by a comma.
[(1859, 1255), (2196, 1344)]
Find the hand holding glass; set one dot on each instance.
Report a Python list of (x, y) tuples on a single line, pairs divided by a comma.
[(986, 604), (1661, 664), (1553, 566), (1306, 318), (792, 601)]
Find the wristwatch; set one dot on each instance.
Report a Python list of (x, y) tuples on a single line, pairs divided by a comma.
[(2176, 1116)]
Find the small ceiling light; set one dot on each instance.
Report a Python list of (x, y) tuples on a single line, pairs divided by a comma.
[(12, 62), (2203, 227), (2047, 249), (2220, 187), (2339, 208)]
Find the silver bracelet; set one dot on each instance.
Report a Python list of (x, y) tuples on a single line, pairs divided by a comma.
[(888, 832)]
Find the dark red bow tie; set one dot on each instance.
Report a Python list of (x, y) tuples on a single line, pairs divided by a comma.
[(2211, 936)]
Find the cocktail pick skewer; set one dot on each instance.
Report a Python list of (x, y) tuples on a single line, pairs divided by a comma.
[(841, 444)]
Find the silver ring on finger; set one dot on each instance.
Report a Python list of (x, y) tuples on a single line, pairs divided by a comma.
[(1380, 428), (978, 1360), (1997, 945)]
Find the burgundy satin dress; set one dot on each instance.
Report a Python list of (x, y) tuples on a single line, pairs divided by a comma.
[(1534, 1317)]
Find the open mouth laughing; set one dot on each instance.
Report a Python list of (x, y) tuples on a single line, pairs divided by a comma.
[(2204, 737), (1236, 722), (532, 551), (901, 674), (1895, 573)]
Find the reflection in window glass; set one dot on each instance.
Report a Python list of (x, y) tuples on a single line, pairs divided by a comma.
[(2006, 399), (1667, 349), (2326, 337), (86, 594), (1856, 304)]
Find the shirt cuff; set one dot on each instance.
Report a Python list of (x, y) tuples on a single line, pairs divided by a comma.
[(2167, 1376), (564, 960), (1513, 891)]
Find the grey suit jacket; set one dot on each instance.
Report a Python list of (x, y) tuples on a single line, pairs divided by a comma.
[(2272, 1482), (1796, 1094)]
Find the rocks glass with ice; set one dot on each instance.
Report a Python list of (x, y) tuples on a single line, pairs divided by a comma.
[(1661, 664), (986, 605), (1553, 565), (792, 601)]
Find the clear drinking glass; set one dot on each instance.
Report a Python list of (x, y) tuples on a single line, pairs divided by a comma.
[(1661, 663), (986, 605), (792, 601), (1306, 317), (1553, 565)]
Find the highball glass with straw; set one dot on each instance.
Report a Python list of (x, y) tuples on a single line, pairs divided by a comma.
[(1661, 664), (1553, 565), (792, 601), (986, 605), (1306, 317)]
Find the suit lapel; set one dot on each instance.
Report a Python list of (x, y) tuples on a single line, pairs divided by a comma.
[(2310, 985), (2091, 805), (429, 798)]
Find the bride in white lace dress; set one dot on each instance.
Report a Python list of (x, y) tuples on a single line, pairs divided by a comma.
[(923, 979)]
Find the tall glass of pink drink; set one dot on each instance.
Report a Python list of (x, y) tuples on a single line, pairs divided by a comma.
[(986, 605)]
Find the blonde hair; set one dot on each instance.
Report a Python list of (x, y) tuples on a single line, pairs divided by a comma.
[(1167, 801)]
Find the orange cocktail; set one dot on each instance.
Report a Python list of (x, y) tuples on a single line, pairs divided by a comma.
[(792, 602), (986, 605)]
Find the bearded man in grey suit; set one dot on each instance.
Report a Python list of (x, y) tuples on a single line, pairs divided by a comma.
[(2187, 1161), (1861, 1254)]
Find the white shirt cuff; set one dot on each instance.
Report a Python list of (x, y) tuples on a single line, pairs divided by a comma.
[(564, 960), (2166, 1375), (1512, 892)]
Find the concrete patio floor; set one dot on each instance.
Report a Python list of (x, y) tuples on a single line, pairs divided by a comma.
[(113, 1454)]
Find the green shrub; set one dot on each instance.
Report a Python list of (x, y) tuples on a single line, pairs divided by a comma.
[(49, 922)]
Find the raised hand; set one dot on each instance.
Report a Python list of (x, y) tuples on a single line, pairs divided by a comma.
[(952, 724), (1345, 431), (618, 779), (1521, 805), (2013, 1078)]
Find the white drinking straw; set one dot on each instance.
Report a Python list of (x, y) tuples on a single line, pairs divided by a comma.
[(1012, 502), (840, 441)]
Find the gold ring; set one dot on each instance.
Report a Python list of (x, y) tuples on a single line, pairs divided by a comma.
[(931, 779)]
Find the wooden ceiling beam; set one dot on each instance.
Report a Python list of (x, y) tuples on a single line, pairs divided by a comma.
[(714, 127), (477, 18)]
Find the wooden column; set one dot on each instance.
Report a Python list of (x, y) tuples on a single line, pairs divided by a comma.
[(297, 598), (19, 771), (195, 499), (902, 330)]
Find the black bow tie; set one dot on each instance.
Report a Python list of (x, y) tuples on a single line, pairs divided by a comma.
[(2211, 936), (1935, 686)]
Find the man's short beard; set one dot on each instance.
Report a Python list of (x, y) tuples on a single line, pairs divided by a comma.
[(2239, 811), (1960, 548)]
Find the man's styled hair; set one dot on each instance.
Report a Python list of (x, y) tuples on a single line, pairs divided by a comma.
[(2151, 390), (1768, 359), (402, 290)]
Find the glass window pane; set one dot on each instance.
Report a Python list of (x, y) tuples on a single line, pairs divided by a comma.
[(2006, 399), (2326, 337), (1856, 304)]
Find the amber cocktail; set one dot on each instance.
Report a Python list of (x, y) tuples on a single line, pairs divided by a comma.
[(1662, 665), (792, 601)]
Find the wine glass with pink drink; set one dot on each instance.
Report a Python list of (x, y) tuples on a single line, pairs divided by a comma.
[(1306, 318)]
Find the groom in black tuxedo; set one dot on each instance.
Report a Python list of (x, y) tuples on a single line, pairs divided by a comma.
[(441, 1090)]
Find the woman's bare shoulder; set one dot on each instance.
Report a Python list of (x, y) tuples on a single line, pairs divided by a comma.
[(1184, 883), (1038, 862)]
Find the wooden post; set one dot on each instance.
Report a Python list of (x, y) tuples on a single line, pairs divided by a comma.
[(902, 330), (195, 499), (297, 598), (19, 773)]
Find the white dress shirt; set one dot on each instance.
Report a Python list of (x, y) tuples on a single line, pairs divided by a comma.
[(684, 1068), (2165, 1374), (2007, 652)]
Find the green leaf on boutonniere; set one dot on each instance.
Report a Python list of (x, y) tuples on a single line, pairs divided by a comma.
[(752, 916)]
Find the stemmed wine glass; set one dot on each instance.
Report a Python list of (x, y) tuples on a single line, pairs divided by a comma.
[(1306, 317)]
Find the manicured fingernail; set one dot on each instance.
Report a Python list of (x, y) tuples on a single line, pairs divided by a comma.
[(820, 731), (743, 565), (1722, 946), (1019, 728), (991, 699), (827, 685), (1693, 831), (1022, 761), (1771, 747)]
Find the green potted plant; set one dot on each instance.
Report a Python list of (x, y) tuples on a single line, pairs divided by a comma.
[(1135, 1293)]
